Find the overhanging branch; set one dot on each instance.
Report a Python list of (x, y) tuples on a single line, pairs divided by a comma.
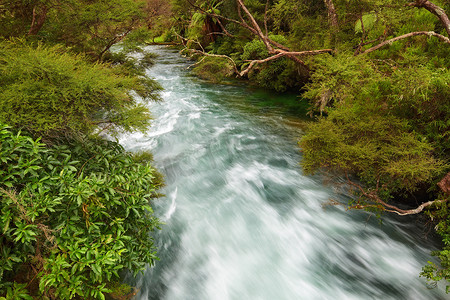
[(377, 202), (434, 9), (411, 34)]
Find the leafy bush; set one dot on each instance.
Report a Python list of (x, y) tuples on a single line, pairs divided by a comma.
[(72, 216), (376, 147), (51, 92), (433, 272), (279, 75)]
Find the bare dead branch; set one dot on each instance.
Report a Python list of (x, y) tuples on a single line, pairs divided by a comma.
[(280, 53), (362, 44), (380, 204), (411, 34), (225, 31), (309, 52), (256, 27), (261, 61), (205, 54)]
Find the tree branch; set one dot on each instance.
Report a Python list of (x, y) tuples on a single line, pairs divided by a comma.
[(261, 61), (380, 204), (289, 54), (265, 17), (38, 21), (411, 34), (434, 9), (277, 52), (256, 27), (213, 55)]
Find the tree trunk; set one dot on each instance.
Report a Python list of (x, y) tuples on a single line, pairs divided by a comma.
[(332, 15), (444, 184), (38, 20)]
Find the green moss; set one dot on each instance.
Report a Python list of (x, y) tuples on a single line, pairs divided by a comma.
[(214, 69)]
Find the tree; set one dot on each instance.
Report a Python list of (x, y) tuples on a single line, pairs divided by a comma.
[(332, 15), (53, 93), (275, 50), (91, 27)]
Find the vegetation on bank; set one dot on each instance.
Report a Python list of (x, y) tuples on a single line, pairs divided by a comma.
[(376, 74), (73, 216), (75, 208)]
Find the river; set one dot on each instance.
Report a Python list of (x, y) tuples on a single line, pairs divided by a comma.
[(241, 220)]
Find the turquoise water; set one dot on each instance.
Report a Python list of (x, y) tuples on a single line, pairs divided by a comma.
[(243, 222)]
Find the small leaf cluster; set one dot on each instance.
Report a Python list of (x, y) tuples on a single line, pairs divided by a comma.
[(72, 216)]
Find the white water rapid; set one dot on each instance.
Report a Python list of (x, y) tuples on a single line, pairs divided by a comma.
[(241, 220)]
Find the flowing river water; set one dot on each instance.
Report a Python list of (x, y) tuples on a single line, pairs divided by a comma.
[(241, 220)]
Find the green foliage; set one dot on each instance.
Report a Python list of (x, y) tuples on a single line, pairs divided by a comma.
[(73, 216), (17, 292), (214, 69), (416, 94), (91, 27), (195, 29), (432, 271), (387, 123), (48, 91), (368, 21), (120, 290), (337, 78), (376, 147), (278, 75), (254, 50)]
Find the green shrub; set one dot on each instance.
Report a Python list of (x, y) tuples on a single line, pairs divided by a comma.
[(50, 92), (214, 69), (72, 216)]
